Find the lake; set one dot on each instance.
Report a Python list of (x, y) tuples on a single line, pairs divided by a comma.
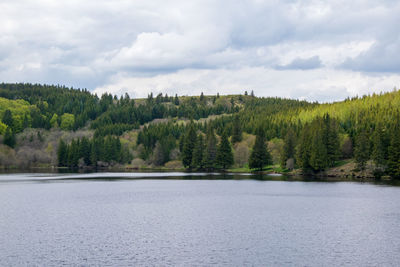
[(146, 219)]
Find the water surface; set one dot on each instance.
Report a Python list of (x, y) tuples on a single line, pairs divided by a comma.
[(145, 219)]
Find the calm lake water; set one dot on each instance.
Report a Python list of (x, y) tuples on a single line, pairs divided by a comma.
[(117, 219)]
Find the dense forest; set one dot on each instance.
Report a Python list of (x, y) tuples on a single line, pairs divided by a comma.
[(43, 125)]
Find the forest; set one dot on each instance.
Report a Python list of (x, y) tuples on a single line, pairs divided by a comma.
[(47, 125)]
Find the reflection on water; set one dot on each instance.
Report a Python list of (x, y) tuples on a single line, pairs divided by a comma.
[(195, 219)]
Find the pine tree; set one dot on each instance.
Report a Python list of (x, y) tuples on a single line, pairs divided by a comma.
[(378, 150), (237, 130), (331, 140), (394, 152), (188, 146), (289, 148), (85, 150), (7, 118), (9, 137), (318, 154), (304, 149), (62, 153), (224, 156), (211, 150), (361, 150), (260, 156), (198, 152), (176, 100)]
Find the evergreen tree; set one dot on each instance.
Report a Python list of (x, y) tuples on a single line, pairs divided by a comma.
[(361, 150), (85, 150), (260, 156), (198, 152), (331, 140), (378, 150), (289, 147), (224, 156), (62, 154), (210, 152), (7, 118), (237, 130), (188, 146), (9, 137), (304, 149), (176, 100), (201, 97), (318, 155), (394, 152)]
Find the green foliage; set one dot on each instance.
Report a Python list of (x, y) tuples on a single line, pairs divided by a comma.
[(188, 146), (54, 121), (394, 152), (210, 152), (237, 130), (67, 121), (289, 148), (90, 152), (260, 156), (224, 157), (361, 150), (198, 152), (9, 137)]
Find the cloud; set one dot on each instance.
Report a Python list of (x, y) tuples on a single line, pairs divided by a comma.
[(382, 57), (258, 44), (302, 64), (314, 85)]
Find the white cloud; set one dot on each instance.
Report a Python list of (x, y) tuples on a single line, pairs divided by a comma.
[(193, 46), (315, 85)]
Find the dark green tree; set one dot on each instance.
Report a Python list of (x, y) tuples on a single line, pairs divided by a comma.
[(289, 147), (224, 156), (361, 150), (198, 152), (378, 149), (260, 156), (210, 152), (303, 150), (394, 152), (237, 130), (188, 146), (62, 153), (9, 137), (7, 118), (318, 154)]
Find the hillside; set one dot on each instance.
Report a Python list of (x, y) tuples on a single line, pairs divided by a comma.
[(45, 125)]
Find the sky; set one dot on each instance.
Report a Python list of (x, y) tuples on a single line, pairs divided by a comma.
[(315, 50)]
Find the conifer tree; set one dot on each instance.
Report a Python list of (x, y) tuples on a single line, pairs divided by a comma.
[(198, 152), (237, 130), (260, 156), (394, 152), (289, 148), (224, 156), (188, 146), (318, 155), (378, 150), (62, 153), (7, 118), (331, 140), (211, 149), (361, 150), (304, 149), (9, 137)]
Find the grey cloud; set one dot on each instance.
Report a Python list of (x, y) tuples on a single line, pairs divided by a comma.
[(381, 57), (302, 64), (86, 43)]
